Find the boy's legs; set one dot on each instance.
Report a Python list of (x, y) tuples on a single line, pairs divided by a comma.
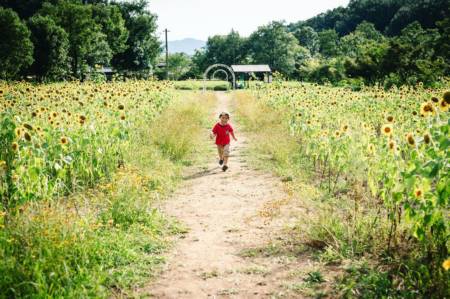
[(220, 150), (226, 154)]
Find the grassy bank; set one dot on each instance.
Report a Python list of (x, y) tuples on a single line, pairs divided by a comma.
[(108, 238), (198, 85), (347, 228)]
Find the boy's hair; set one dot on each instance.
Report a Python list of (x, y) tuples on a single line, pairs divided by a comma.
[(224, 113)]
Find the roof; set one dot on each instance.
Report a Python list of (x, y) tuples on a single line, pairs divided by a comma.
[(251, 68)]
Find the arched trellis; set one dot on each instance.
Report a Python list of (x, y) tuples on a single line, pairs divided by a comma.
[(218, 65), (220, 71)]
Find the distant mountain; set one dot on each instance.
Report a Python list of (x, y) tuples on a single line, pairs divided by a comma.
[(187, 45)]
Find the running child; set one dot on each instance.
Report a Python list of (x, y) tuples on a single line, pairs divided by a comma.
[(222, 131)]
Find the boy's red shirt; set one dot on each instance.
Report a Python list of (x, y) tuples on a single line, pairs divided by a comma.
[(222, 133)]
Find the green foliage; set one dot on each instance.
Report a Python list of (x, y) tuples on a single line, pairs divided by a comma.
[(274, 45), (87, 43), (328, 43), (51, 45), (179, 66), (142, 46), (308, 38), (16, 48)]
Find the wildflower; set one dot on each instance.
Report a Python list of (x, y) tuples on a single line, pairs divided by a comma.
[(64, 140), (391, 145), (410, 139), (434, 99), (387, 129), (15, 146), (446, 264), (122, 117), (121, 107)]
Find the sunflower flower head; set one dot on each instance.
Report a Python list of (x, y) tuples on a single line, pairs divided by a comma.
[(387, 129)]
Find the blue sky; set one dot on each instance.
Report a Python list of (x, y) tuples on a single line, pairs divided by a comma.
[(202, 18)]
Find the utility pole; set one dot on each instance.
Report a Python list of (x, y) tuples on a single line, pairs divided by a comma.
[(167, 56)]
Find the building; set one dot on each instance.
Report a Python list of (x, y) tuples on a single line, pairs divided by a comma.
[(244, 72)]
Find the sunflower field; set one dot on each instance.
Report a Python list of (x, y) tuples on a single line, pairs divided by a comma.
[(81, 165), (57, 138), (386, 155)]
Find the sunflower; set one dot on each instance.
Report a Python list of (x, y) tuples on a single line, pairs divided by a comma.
[(27, 136), (446, 97), (391, 145), (390, 119), (418, 192), (121, 107), (427, 138), (15, 146), (434, 99), (410, 139), (64, 140), (427, 109), (18, 132), (371, 149), (122, 117), (387, 129), (443, 105), (28, 127)]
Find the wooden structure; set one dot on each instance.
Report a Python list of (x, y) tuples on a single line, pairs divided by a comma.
[(244, 72)]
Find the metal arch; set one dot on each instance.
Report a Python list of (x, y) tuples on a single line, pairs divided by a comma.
[(205, 74), (219, 71)]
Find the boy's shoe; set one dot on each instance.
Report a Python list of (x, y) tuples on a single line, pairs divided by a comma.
[(220, 162), (224, 168)]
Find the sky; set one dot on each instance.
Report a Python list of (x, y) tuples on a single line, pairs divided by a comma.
[(202, 18)]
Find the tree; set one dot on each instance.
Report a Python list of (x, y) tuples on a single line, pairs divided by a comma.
[(179, 65), (143, 46), (354, 43), (16, 48), (308, 38), (412, 56), (328, 43), (87, 43), (51, 46), (110, 19), (274, 45)]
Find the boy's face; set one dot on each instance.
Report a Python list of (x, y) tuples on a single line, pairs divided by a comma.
[(224, 119)]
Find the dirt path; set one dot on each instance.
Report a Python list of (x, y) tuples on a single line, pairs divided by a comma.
[(224, 213)]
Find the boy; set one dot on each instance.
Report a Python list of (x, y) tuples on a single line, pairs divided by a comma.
[(222, 131)]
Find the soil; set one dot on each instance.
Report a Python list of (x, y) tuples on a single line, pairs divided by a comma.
[(227, 251)]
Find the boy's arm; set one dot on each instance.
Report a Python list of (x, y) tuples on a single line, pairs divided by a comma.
[(232, 135)]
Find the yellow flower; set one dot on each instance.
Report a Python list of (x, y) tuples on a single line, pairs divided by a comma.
[(410, 139), (387, 129), (446, 264), (443, 105), (15, 146), (418, 192), (64, 140), (427, 109)]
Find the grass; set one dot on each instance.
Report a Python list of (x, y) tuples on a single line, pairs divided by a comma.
[(109, 239)]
